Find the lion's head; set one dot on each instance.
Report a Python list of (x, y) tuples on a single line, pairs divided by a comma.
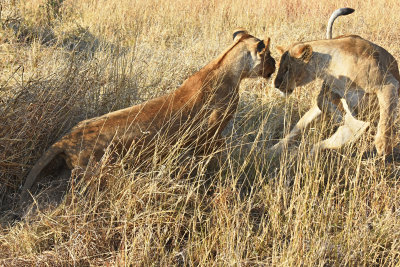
[(292, 67), (257, 55)]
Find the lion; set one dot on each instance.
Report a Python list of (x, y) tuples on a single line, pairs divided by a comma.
[(353, 71), (197, 112)]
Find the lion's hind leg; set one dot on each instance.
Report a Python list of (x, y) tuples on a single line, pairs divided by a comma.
[(388, 100)]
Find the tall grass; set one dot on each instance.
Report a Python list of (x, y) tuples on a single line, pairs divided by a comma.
[(64, 61)]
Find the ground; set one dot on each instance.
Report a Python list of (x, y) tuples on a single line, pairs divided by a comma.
[(65, 61)]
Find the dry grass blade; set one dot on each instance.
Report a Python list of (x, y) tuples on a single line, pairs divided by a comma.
[(64, 61)]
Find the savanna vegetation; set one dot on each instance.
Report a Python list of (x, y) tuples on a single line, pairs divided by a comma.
[(63, 61)]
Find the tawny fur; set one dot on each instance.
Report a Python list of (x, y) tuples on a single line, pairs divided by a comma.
[(352, 69), (197, 111)]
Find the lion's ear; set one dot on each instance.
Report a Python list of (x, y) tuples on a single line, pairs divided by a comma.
[(303, 52), (239, 32), (280, 50)]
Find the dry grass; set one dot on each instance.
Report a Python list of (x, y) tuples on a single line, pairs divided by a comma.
[(63, 61)]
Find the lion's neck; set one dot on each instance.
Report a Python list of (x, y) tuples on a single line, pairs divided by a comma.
[(229, 73), (220, 76), (217, 83), (227, 77)]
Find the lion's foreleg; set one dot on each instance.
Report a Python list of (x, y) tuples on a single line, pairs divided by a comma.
[(388, 100), (212, 138), (302, 124), (329, 103), (350, 131)]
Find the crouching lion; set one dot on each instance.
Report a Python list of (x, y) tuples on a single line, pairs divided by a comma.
[(197, 112)]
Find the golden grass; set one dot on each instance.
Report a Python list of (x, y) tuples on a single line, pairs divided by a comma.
[(63, 61)]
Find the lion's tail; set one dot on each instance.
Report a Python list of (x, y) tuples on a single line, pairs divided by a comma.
[(338, 12), (47, 157)]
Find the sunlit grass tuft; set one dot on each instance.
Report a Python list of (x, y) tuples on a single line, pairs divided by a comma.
[(64, 61)]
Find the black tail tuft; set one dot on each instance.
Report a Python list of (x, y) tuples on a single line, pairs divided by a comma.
[(346, 10)]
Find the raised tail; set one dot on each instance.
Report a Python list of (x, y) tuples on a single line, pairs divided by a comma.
[(338, 12), (47, 157)]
